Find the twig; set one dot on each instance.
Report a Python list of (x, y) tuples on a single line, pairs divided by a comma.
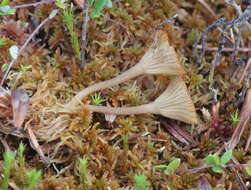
[(244, 118), (157, 27), (23, 47), (238, 10), (84, 32), (245, 50), (33, 4)]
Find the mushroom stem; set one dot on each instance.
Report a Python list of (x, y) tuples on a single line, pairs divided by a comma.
[(131, 73), (142, 109), (159, 59), (174, 102)]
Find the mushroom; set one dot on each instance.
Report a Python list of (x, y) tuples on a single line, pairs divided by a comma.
[(174, 103), (159, 59)]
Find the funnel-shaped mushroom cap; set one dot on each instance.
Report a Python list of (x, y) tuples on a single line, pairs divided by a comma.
[(175, 102), (161, 58)]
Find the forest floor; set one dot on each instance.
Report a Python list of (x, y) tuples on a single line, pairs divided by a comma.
[(120, 152)]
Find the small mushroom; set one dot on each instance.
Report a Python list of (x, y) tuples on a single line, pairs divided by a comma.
[(159, 59), (175, 103)]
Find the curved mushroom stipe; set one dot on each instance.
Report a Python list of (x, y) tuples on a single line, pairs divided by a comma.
[(174, 103), (160, 58)]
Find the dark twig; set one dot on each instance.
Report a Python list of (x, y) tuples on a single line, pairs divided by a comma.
[(33, 4), (244, 49), (23, 47), (159, 26), (84, 32)]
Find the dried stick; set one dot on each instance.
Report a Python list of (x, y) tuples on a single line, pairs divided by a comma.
[(84, 32), (238, 10), (33, 4), (245, 50), (24, 46), (244, 118)]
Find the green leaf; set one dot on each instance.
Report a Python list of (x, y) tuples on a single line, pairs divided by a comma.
[(174, 164), (248, 169), (4, 2), (90, 2), (60, 3), (99, 5), (160, 167), (226, 157), (7, 10), (217, 169), (2, 42), (13, 51), (141, 183), (95, 14), (4, 67), (210, 159), (33, 178)]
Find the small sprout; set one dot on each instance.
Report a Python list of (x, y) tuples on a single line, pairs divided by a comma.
[(159, 59), (4, 67), (219, 162), (2, 41), (168, 169), (97, 100), (234, 118), (97, 6), (141, 183), (174, 103), (14, 52), (8, 163), (24, 68), (5, 9), (33, 177), (83, 173), (248, 170), (61, 3)]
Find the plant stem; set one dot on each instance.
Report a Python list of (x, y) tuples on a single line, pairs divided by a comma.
[(84, 32), (142, 109)]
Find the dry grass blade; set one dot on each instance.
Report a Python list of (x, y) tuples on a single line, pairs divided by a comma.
[(244, 118)]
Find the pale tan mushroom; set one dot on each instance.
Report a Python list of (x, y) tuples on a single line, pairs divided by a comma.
[(175, 103), (160, 58)]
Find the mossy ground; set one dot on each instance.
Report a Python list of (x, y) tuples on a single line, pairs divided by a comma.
[(131, 144)]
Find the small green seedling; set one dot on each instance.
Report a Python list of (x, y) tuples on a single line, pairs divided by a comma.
[(61, 3), (69, 22), (83, 173), (2, 42), (8, 163), (248, 170), (97, 6), (219, 162), (97, 100), (5, 9), (234, 118), (168, 169), (141, 182), (33, 177), (4, 67)]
